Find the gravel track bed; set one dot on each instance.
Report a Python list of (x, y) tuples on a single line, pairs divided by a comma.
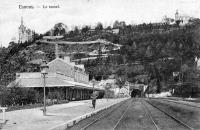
[(136, 118), (187, 114), (163, 121)]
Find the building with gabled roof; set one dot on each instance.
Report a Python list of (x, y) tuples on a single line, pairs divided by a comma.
[(64, 77)]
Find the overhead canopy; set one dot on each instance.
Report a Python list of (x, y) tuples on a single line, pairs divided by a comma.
[(35, 80), (82, 85), (39, 82)]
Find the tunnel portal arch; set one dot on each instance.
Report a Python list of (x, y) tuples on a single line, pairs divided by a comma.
[(136, 93), (137, 90)]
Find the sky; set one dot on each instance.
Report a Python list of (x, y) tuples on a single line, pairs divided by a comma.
[(86, 12)]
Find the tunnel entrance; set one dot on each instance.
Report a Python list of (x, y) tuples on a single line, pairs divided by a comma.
[(136, 93)]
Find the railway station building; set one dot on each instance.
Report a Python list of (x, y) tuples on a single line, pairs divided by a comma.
[(63, 77)]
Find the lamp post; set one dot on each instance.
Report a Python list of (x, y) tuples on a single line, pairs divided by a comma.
[(93, 81), (148, 85), (44, 68)]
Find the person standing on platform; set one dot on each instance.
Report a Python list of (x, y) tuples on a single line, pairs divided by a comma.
[(94, 97), (94, 102)]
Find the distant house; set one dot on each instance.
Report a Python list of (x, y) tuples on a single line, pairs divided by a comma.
[(64, 77), (115, 31), (178, 19), (91, 31), (36, 61), (124, 91), (52, 37)]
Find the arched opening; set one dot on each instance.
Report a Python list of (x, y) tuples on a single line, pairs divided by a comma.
[(136, 93)]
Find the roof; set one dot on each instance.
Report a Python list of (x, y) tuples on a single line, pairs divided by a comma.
[(59, 65), (82, 85), (36, 61), (52, 37), (34, 80), (39, 82), (63, 63)]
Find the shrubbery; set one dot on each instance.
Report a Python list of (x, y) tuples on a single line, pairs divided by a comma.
[(187, 90), (17, 96)]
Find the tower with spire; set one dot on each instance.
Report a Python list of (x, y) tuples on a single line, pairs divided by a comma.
[(177, 16), (25, 34)]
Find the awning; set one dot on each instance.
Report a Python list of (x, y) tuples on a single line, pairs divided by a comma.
[(82, 85), (39, 82)]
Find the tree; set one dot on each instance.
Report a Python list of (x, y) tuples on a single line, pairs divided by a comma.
[(108, 92), (99, 26), (122, 24), (85, 29), (120, 81), (76, 30), (116, 24)]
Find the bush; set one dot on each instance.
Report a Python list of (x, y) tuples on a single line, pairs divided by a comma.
[(187, 90), (16, 95), (5, 97)]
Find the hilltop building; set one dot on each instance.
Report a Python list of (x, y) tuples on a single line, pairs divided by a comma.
[(178, 19), (25, 34), (64, 77), (182, 19)]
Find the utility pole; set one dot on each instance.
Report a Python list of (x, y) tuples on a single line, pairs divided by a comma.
[(148, 86), (181, 70)]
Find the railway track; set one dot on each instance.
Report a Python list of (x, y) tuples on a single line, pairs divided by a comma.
[(118, 122), (99, 116), (167, 114), (175, 101), (149, 116), (106, 115), (122, 114), (125, 113)]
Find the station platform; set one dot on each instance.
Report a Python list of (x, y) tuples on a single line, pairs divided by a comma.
[(57, 115)]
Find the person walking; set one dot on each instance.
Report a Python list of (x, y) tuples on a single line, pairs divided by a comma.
[(94, 100)]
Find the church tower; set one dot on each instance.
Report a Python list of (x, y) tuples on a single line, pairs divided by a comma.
[(177, 16), (25, 34), (22, 31)]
